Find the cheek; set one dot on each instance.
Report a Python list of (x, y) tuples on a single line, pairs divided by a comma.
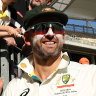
[(60, 38), (37, 38)]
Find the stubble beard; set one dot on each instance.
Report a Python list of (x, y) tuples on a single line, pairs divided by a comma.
[(39, 50)]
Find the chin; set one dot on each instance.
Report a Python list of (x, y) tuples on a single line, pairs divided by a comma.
[(52, 54)]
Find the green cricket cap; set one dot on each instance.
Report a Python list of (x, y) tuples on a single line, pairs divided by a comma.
[(44, 14)]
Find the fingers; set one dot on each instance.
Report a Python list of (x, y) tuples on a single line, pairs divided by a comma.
[(10, 41), (19, 35), (14, 31), (19, 30)]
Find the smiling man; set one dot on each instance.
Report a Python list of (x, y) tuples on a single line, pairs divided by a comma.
[(48, 71)]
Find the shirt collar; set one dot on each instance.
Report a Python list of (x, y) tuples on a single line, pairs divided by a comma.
[(27, 67), (26, 64), (64, 61)]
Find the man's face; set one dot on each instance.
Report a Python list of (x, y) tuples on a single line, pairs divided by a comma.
[(49, 43), (39, 2)]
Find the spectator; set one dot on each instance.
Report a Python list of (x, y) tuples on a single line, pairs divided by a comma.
[(7, 32), (46, 71), (19, 10), (34, 3), (84, 60)]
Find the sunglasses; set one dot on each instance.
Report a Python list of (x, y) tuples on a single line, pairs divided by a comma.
[(43, 28)]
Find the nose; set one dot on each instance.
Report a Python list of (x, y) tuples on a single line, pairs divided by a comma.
[(50, 31), (50, 34), (49, 37)]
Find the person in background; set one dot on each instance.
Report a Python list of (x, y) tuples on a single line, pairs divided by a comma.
[(7, 32), (48, 71), (20, 11), (35, 3), (84, 60)]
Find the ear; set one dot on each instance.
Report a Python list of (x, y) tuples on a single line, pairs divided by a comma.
[(49, 2), (27, 38), (30, 8)]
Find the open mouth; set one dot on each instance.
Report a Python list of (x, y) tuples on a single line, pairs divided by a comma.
[(49, 42)]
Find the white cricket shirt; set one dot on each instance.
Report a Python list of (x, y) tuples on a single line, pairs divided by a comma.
[(69, 79)]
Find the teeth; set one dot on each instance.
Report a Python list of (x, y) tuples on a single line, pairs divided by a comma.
[(49, 43)]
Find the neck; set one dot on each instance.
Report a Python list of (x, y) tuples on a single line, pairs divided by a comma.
[(44, 67)]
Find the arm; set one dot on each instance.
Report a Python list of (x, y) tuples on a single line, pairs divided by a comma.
[(9, 31), (10, 41), (6, 32)]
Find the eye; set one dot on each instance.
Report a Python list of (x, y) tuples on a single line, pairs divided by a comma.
[(38, 27), (53, 29), (43, 27)]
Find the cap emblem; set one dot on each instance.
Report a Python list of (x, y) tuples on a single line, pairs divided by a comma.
[(48, 10)]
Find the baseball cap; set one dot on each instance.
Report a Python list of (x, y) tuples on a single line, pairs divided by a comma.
[(44, 14)]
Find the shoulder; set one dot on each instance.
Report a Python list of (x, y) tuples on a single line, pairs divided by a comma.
[(19, 80), (16, 82), (15, 85), (85, 72), (82, 68), (11, 87)]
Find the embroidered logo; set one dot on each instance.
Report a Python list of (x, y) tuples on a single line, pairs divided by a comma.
[(65, 78), (26, 91), (48, 10), (23, 65)]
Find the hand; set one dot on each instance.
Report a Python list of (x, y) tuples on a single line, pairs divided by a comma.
[(19, 30), (14, 31), (1, 85), (10, 41)]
